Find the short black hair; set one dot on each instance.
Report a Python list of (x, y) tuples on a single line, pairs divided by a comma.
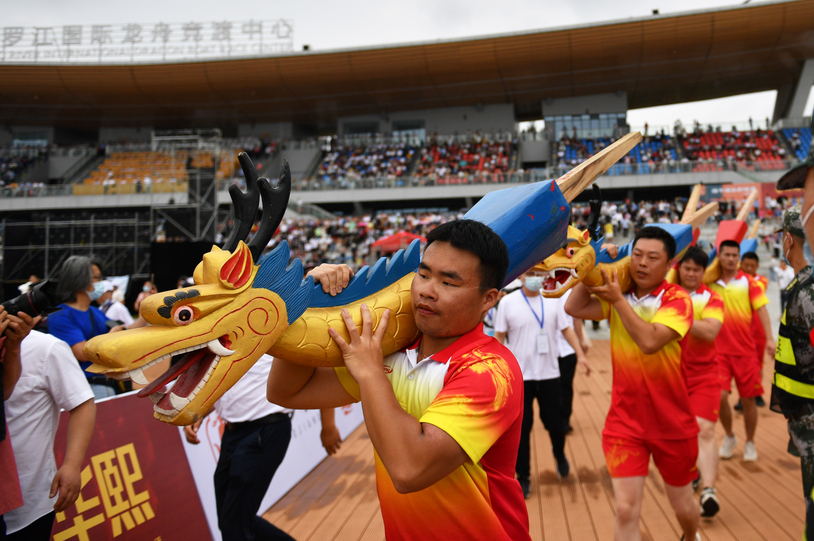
[(657, 233), (477, 238), (730, 244), (696, 255), (750, 255)]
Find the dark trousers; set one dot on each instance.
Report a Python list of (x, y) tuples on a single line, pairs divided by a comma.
[(39, 530), (568, 367), (547, 393), (248, 459)]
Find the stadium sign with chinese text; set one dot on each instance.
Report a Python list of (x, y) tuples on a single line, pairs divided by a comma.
[(136, 43), (136, 483)]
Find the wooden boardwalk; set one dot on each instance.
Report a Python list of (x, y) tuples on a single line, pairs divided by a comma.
[(759, 501)]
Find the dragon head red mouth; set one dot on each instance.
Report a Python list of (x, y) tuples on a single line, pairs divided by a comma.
[(557, 279), (189, 375)]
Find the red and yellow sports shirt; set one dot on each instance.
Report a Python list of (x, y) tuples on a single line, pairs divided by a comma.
[(742, 296), (698, 356), (473, 391), (649, 397)]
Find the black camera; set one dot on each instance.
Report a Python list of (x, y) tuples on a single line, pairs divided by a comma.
[(40, 299)]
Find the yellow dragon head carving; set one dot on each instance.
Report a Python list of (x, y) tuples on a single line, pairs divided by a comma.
[(231, 316), (569, 265)]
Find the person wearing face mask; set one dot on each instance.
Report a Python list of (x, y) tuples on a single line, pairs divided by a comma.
[(530, 326), (147, 289), (78, 320), (793, 382)]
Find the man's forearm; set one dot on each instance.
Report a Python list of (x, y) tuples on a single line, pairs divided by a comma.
[(641, 332), (80, 430), (763, 314), (577, 303), (286, 379), (395, 434), (571, 337)]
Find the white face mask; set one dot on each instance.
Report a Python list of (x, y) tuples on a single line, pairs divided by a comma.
[(98, 291), (534, 283)]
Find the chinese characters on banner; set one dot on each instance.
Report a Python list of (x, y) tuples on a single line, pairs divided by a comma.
[(158, 42), (135, 481)]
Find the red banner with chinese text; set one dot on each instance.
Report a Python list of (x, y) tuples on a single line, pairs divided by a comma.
[(136, 480)]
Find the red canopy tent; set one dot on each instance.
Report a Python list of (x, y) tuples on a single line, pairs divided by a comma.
[(396, 242)]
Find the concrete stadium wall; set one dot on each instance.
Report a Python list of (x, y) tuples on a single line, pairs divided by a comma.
[(94, 201), (362, 196), (57, 165), (447, 121), (116, 135), (535, 151), (5, 136), (299, 159), (598, 103), (272, 130)]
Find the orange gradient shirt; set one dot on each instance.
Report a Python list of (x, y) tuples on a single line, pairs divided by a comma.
[(698, 356), (742, 297), (649, 398), (473, 391)]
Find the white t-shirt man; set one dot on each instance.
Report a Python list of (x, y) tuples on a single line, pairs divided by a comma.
[(246, 400), (784, 276), (51, 380), (564, 349), (535, 349)]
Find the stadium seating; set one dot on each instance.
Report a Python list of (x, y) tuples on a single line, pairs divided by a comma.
[(800, 141), (714, 151), (378, 160), (452, 158), (654, 154), (12, 166)]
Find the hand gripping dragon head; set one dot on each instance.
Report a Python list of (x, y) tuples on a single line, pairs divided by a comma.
[(572, 263), (221, 325)]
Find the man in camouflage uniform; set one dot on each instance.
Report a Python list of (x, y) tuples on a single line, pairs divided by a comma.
[(793, 384)]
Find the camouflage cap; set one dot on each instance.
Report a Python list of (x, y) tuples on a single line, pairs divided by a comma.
[(793, 221)]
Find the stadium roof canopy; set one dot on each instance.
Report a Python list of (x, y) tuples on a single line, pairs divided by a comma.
[(657, 60)]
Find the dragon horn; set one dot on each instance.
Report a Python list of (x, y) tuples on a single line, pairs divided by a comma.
[(275, 201), (243, 204), (580, 177)]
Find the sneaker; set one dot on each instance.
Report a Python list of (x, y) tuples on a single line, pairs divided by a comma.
[(759, 402), (709, 502), (696, 483), (727, 447), (525, 486), (563, 468), (739, 406), (749, 452)]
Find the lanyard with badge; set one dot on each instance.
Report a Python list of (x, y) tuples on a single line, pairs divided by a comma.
[(542, 338)]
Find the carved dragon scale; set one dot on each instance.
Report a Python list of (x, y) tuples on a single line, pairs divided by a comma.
[(245, 304)]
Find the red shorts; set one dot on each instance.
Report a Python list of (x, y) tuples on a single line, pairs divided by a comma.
[(705, 399), (630, 457), (746, 373)]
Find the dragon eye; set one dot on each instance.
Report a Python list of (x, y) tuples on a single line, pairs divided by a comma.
[(184, 316), (570, 252)]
